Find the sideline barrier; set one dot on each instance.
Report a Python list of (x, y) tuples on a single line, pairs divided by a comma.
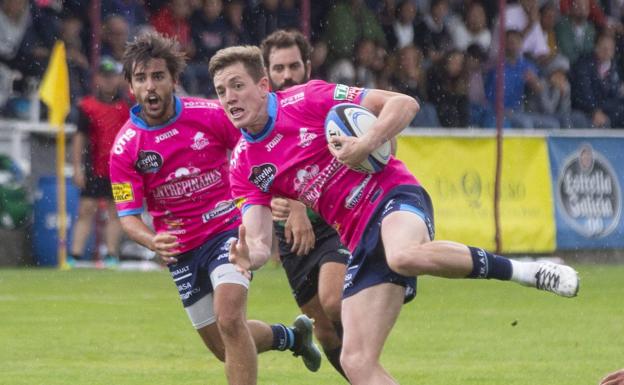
[(457, 167), (588, 176)]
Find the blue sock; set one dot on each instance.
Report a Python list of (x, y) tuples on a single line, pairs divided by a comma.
[(486, 265), (283, 337)]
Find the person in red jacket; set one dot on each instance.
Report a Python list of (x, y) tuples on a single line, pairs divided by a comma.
[(101, 115)]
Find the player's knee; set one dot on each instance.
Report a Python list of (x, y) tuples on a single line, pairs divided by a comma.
[(231, 324), (408, 262), (331, 303), (354, 364)]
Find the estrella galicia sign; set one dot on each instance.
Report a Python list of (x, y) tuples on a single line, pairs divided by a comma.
[(263, 175), (148, 162)]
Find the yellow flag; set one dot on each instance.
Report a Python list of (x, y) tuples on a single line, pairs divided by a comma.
[(54, 90)]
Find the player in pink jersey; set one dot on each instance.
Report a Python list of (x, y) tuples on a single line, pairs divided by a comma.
[(312, 255), (386, 219), (173, 154)]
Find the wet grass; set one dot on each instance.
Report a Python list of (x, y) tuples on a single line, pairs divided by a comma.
[(112, 327)]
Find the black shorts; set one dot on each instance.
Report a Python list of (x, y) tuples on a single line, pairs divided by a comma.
[(368, 266), (303, 271), (97, 187)]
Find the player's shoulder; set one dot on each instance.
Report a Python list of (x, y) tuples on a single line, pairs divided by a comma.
[(298, 95), (195, 103), (127, 134), (238, 154)]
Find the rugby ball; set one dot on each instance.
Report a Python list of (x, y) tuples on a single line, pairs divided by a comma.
[(354, 120)]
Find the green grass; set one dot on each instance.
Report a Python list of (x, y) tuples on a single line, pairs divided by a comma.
[(103, 327)]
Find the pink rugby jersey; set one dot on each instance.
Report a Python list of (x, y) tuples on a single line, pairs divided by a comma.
[(290, 158), (180, 169)]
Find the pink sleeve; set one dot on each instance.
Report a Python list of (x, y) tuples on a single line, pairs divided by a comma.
[(322, 96), (126, 183)]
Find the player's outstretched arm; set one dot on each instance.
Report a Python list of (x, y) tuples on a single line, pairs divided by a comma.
[(253, 248)]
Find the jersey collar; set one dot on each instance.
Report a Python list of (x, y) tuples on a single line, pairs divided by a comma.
[(270, 124), (140, 123)]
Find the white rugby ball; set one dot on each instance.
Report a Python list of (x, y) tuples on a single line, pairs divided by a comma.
[(354, 120)]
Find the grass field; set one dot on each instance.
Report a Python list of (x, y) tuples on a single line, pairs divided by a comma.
[(105, 327)]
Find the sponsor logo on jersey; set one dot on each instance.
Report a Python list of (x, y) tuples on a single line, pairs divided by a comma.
[(340, 92), (122, 140), (263, 175), (199, 141), (274, 142), (148, 162), (175, 226), (238, 150), (293, 99), (353, 93), (186, 181), (240, 202), (220, 209), (201, 104), (356, 193), (304, 176), (169, 134), (311, 192), (589, 193), (305, 137), (122, 192)]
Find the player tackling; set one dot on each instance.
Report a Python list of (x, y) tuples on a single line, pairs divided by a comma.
[(385, 218)]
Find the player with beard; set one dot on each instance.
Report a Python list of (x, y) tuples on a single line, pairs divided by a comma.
[(312, 255), (388, 225), (173, 152)]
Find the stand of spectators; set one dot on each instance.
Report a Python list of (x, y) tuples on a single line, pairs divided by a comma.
[(442, 52)]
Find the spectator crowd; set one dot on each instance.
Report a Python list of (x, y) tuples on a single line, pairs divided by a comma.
[(563, 59)]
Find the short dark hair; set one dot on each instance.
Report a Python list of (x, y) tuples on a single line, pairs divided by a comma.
[(285, 39), (153, 45), (249, 55)]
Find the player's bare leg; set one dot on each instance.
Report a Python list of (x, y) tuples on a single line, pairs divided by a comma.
[(331, 280), (260, 332), (297, 338), (241, 359), (327, 307), (113, 229), (409, 253), (363, 341), (325, 331), (87, 208)]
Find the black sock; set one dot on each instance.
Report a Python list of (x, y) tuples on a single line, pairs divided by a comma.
[(77, 257), (283, 337), (333, 356), (487, 265)]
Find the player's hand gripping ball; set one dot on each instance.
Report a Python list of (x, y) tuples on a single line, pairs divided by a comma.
[(354, 120)]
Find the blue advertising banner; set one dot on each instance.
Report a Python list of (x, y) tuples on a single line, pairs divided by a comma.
[(588, 176)]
